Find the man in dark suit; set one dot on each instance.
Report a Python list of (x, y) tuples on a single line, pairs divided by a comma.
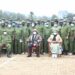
[(34, 41)]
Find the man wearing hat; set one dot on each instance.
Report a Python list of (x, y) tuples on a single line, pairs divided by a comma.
[(34, 40), (55, 44), (6, 43)]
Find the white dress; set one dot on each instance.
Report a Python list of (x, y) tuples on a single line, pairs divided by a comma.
[(55, 48)]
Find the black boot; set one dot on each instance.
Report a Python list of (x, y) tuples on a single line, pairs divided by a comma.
[(37, 52), (29, 52), (38, 55), (29, 56), (9, 54)]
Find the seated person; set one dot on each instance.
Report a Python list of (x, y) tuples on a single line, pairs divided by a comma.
[(55, 44), (34, 41), (6, 43)]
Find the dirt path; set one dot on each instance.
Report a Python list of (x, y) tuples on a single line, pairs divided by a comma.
[(21, 65)]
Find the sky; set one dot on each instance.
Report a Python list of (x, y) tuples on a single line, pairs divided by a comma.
[(39, 7)]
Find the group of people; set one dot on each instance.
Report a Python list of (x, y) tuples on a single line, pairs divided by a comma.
[(34, 42), (54, 43), (35, 39)]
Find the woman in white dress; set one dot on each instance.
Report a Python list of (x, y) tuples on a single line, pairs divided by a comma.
[(55, 44)]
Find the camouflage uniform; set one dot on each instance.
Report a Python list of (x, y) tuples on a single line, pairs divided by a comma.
[(0, 42), (74, 40), (56, 28), (14, 42), (71, 38), (21, 43), (6, 42), (64, 34)]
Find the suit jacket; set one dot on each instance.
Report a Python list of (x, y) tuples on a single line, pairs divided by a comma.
[(37, 39)]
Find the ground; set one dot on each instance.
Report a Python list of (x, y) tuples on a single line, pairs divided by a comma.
[(44, 65)]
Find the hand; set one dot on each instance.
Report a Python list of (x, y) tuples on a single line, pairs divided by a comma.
[(34, 44), (54, 41)]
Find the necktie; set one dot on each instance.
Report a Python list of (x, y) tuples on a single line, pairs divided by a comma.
[(33, 38)]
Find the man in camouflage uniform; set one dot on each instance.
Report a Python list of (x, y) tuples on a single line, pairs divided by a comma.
[(0, 42), (74, 40), (64, 34), (21, 42), (34, 41), (6, 43), (56, 27), (14, 39), (71, 38)]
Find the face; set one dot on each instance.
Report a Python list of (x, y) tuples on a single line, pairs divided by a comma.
[(34, 32), (72, 24), (55, 33), (5, 33), (9, 25)]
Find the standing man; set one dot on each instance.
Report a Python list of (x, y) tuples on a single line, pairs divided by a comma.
[(65, 37), (56, 27), (71, 38), (34, 40)]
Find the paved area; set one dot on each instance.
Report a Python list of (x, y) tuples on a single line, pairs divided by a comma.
[(44, 65)]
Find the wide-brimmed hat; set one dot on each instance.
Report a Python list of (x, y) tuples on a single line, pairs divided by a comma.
[(34, 30)]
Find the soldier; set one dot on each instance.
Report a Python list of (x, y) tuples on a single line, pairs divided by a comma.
[(34, 41), (21, 42), (64, 35), (14, 41), (71, 38), (74, 40), (56, 27), (6, 43), (0, 42)]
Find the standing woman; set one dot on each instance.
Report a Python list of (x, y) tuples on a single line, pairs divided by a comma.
[(55, 44)]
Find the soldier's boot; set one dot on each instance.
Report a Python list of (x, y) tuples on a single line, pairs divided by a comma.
[(9, 53), (37, 51)]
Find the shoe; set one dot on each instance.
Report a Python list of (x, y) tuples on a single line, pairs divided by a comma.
[(38, 56), (8, 56), (29, 56)]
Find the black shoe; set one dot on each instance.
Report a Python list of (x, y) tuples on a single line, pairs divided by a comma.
[(29, 56), (38, 56), (8, 56)]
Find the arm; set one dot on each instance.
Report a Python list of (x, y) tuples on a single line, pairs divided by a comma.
[(60, 39), (39, 38), (28, 39), (50, 39)]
